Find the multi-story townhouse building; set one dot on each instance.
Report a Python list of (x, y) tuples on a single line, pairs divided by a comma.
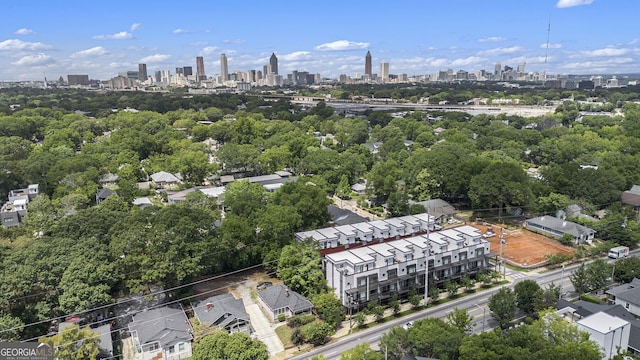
[(396, 263)]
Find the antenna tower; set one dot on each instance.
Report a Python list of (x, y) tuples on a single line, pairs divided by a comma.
[(546, 54)]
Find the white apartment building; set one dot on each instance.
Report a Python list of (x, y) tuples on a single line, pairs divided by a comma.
[(370, 261)]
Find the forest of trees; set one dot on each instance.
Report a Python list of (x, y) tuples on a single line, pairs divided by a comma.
[(71, 255)]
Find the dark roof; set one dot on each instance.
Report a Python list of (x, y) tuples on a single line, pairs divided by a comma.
[(164, 325), (106, 343), (563, 226), (436, 207), (344, 217), (220, 310), (276, 298), (104, 193), (628, 292), (630, 198)]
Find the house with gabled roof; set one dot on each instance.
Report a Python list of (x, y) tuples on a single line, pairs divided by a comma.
[(632, 197), (627, 295), (163, 179), (278, 299), (162, 333), (223, 311), (558, 227)]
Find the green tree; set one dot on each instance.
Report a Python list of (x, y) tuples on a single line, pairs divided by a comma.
[(461, 320), (552, 203), (627, 269), (394, 304), (551, 294), (529, 296), (308, 198), (396, 342), (361, 352), (360, 318), (328, 308), (74, 343), (244, 199), (433, 337), (398, 204), (452, 288), (503, 307), (502, 183), (300, 268), (10, 328), (414, 299), (344, 189), (579, 279), (222, 345), (317, 332)]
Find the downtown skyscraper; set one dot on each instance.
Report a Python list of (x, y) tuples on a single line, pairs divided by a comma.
[(273, 61), (367, 64), (224, 68), (200, 74)]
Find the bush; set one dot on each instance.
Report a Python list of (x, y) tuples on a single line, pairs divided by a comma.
[(555, 259), (591, 299), (281, 317), (299, 320)]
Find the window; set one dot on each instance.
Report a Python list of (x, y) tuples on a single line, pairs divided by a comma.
[(181, 347), (411, 269), (463, 256), (479, 252), (172, 349), (362, 281), (446, 260), (626, 305), (408, 257), (8, 220)]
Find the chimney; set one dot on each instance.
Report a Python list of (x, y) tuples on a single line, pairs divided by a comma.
[(286, 292), (209, 306)]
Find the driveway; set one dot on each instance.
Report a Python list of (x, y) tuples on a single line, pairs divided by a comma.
[(264, 329)]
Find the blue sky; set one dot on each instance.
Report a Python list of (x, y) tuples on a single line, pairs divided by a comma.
[(101, 38)]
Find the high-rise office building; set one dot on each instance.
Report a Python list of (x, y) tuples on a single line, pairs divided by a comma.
[(142, 72), (187, 70), (200, 74), (78, 79), (384, 71), (521, 67), (224, 67), (273, 61), (367, 64)]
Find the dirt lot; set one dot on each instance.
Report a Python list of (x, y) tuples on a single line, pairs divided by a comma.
[(523, 247), (237, 284)]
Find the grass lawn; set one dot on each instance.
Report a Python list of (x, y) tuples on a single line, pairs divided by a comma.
[(284, 333)]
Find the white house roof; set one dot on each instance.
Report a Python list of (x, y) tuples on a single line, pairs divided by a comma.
[(602, 322)]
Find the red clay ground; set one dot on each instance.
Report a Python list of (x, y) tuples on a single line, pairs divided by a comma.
[(523, 248)]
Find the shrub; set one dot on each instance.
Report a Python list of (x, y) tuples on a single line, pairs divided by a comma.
[(281, 317), (555, 259), (299, 320), (591, 299)]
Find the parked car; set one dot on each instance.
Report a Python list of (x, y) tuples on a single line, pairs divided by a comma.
[(408, 325), (263, 285)]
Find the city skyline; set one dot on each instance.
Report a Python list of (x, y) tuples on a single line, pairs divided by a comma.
[(104, 38)]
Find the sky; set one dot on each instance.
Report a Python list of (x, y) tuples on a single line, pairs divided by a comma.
[(44, 38)]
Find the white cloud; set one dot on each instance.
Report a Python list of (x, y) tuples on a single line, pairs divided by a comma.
[(234, 41), (605, 52), (155, 58), (500, 51), (296, 56), (117, 36), (467, 61), (24, 31), (551, 46), (34, 60), (571, 3), (134, 26), (15, 44), (493, 39), (94, 51), (198, 43), (209, 50), (342, 45), (180, 31)]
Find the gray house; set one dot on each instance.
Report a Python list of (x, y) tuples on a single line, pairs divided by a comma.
[(224, 311), (163, 333), (278, 299), (439, 208), (627, 295), (559, 227)]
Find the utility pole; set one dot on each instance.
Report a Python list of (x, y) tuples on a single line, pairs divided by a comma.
[(504, 258), (561, 282)]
